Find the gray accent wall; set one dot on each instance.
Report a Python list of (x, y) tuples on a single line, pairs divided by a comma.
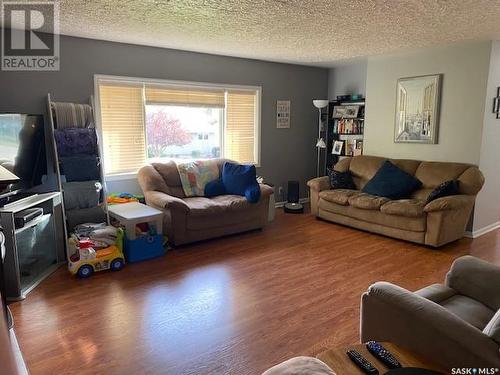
[(286, 154)]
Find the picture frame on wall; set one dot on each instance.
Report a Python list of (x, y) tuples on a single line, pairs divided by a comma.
[(283, 114), (417, 109)]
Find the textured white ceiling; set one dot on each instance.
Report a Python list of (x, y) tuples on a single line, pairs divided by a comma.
[(312, 32)]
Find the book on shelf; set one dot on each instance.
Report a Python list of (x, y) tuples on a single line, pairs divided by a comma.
[(353, 147), (348, 126)]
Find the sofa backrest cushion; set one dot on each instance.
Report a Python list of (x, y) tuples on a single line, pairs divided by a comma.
[(363, 168), (431, 174), (168, 171), (165, 177)]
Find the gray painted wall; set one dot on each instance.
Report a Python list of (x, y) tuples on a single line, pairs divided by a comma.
[(347, 79), (286, 153)]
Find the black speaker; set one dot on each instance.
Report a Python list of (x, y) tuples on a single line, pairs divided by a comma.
[(292, 206), (293, 192)]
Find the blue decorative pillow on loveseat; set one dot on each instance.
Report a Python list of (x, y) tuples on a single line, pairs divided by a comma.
[(392, 182), (241, 179)]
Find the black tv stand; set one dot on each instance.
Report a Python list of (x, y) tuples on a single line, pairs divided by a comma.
[(42, 239)]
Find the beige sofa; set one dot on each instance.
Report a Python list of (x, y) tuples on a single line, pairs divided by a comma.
[(454, 325), (199, 218), (441, 221)]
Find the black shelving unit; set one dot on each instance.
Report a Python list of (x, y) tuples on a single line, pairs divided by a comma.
[(332, 133)]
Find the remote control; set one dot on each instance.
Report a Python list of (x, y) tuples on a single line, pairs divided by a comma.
[(382, 354), (361, 362)]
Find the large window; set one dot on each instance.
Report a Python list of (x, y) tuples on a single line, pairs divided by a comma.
[(146, 121)]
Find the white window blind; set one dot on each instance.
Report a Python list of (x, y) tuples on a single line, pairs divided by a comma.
[(122, 123), (184, 96), (123, 103), (240, 132)]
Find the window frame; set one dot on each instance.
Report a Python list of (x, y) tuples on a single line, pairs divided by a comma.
[(124, 80)]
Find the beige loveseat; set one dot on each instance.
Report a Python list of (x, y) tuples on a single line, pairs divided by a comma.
[(199, 218), (441, 221), (454, 325)]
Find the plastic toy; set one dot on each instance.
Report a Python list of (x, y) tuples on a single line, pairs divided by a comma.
[(117, 198), (86, 260)]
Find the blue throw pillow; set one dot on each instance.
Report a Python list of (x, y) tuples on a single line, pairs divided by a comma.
[(252, 193), (214, 188), (237, 178), (391, 182), (443, 190)]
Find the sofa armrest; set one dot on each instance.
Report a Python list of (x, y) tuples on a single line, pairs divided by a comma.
[(162, 200), (452, 202), (476, 279), (391, 313), (319, 183), (265, 190)]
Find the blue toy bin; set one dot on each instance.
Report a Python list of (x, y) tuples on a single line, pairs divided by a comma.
[(144, 247)]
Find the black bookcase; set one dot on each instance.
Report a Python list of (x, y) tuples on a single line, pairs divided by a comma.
[(343, 129)]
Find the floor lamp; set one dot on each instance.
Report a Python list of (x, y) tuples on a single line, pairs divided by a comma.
[(320, 104)]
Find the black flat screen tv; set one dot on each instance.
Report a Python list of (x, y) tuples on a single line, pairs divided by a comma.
[(22, 151)]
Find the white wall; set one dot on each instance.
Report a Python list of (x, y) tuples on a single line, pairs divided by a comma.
[(465, 74), (487, 212), (347, 79)]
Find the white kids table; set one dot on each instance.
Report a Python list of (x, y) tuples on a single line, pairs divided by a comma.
[(133, 213)]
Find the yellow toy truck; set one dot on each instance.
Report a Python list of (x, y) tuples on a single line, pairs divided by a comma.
[(86, 260)]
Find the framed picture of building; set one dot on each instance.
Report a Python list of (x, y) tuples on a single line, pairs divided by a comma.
[(417, 109)]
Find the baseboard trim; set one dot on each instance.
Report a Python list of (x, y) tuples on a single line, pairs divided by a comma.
[(484, 230), (281, 204)]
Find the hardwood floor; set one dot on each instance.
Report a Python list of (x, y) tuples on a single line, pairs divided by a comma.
[(229, 306)]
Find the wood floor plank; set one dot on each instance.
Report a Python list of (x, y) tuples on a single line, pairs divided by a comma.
[(235, 305)]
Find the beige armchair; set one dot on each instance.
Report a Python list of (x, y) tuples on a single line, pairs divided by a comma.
[(455, 325), (199, 218)]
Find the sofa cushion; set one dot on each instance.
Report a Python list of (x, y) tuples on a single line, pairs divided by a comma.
[(492, 329), (341, 180), (436, 292), (392, 182), (468, 309), (339, 196), (443, 190), (367, 201), (421, 194), (226, 219), (414, 224), (170, 175), (404, 207), (432, 173), (202, 206)]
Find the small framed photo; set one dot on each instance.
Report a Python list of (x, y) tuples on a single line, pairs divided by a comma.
[(339, 111), (345, 111), (351, 111), (337, 147)]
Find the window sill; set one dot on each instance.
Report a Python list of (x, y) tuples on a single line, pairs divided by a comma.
[(121, 176)]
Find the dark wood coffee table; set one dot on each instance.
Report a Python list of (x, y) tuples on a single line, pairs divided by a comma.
[(339, 362)]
